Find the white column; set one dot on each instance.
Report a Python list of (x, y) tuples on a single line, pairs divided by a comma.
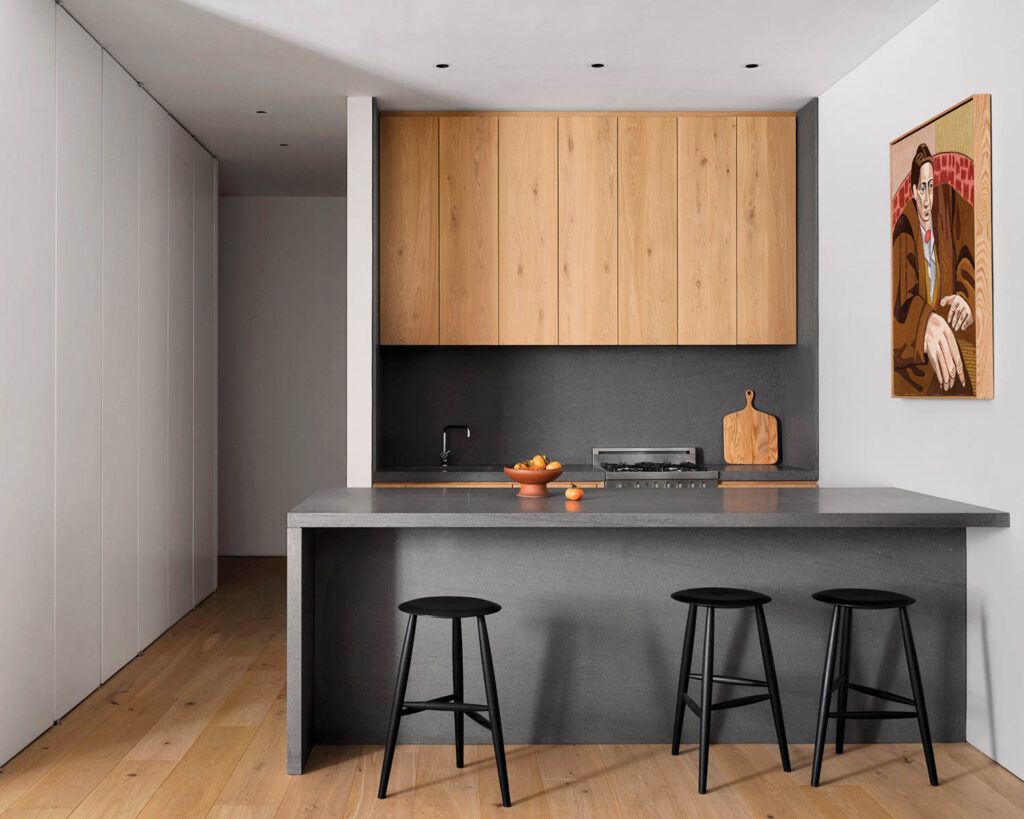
[(362, 287)]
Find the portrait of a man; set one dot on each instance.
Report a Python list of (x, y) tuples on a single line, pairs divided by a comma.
[(935, 305)]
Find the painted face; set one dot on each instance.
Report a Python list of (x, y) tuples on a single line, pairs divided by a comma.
[(924, 195)]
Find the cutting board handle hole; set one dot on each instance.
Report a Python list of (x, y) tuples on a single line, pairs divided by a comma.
[(750, 397)]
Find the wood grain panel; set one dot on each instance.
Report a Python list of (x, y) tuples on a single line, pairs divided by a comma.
[(408, 231), (766, 230), (587, 232), (468, 232), (648, 301), (707, 230), (984, 386), (528, 230)]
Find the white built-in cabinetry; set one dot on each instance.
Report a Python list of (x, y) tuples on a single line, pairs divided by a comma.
[(108, 369), (79, 363)]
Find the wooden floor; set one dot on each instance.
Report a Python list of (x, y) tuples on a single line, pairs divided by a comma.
[(196, 726)]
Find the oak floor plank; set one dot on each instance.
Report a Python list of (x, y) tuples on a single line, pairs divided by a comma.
[(251, 699), (363, 801), (259, 779), (638, 787), (526, 787), (324, 791), (242, 812), (441, 789), (195, 782), (172, 736), (125, 790), (73, 777)]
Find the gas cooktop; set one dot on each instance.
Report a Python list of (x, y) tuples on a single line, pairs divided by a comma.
[(653, 468)]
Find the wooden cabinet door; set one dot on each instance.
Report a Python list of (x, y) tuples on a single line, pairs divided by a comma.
[(766, 230), (528, 230), (468, 235), (408, 230), (647, 230), (587, 233), (707, 230)]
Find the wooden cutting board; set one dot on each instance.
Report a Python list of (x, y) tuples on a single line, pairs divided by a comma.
[(751, 436)]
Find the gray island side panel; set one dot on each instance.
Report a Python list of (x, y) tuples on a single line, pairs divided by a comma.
[(586, 646)]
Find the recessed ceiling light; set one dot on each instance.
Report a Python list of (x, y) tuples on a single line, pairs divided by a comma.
[(261, 112), (442, 65), (282, 145), (752, 65), (597, 65)]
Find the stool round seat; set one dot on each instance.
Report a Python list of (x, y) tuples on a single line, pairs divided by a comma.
[(864, 598), (450, 607), (721, 598)]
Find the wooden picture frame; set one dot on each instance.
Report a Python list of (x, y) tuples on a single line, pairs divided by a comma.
[(940, 220)]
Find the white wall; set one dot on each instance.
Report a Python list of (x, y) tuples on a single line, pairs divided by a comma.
[(282, 363), (85, 415), (968, 450), (362, 286)]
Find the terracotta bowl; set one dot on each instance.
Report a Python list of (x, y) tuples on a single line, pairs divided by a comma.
[(532, 481)]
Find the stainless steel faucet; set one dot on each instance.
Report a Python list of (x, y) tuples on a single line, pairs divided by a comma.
[(445, 452)]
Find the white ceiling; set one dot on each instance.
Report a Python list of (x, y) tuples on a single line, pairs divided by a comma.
[(214, 63)]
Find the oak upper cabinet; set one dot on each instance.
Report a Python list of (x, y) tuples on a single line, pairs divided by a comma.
[(468, 230), (408, 230), (528, 230), (647, 230), (766, 230), (707, 230), (587, 232)]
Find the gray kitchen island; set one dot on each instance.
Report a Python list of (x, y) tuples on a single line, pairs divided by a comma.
[(586, 647)]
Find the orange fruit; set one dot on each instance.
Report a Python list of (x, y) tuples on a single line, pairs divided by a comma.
[(554, 465), (573, 493), (540, 461)]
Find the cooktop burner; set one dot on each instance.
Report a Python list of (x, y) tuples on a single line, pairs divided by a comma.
[(648, 466)]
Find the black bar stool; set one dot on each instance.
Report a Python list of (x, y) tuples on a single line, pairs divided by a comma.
[(711, 599), (454, 609), (843, 602)]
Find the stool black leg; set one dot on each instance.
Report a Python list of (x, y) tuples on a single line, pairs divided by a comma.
[(773, 685), (493, 712), (844, 674), (706, 683), (396, 707), (918, 689), (684, 677), (826, 698), (457, 689)]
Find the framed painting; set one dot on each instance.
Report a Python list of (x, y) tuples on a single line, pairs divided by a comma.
[(940, 220)]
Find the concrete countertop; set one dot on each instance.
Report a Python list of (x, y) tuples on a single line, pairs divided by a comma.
[(611, 508)]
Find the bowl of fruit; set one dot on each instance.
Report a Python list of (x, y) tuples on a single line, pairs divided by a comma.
[(533, 475)]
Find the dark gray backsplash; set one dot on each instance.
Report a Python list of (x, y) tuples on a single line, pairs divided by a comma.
[(563, 401)]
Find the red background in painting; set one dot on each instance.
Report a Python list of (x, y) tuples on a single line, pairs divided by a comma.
[(950, 169)]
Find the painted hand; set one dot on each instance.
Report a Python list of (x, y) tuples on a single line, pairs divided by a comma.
[(960, 316), (943, 353)]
